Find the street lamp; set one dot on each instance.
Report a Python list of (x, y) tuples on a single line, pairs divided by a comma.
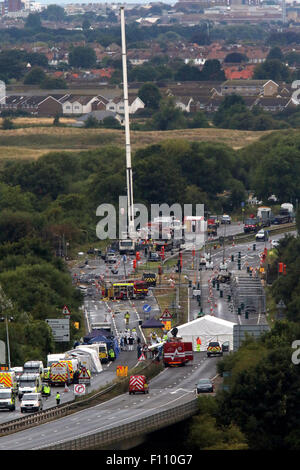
[(6, 304)]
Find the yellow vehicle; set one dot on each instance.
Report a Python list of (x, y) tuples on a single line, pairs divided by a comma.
[(103, 353), (8, 380)]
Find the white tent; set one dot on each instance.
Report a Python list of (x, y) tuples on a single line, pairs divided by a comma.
[(207, 328), (87, 357)]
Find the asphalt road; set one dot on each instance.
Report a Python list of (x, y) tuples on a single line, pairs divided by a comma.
[(173, 386)]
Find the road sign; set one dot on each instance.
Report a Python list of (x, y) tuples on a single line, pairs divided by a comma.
[(166, 315), (147, 308), (66, 311), (60, 329), (142, 357), (167, 323), (79, 389)]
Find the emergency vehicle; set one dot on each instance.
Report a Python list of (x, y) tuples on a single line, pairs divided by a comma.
[(214, 349), (177, 352), (59, 374), (8, 380), (138, 383), (126, 290)]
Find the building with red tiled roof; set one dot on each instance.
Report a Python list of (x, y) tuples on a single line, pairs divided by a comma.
[(238, 72)]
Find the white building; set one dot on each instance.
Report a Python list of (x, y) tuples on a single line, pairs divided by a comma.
[(116, 105), (2, 92)]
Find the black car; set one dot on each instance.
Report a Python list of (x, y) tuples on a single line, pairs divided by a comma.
[(205, 386), (225, 346)]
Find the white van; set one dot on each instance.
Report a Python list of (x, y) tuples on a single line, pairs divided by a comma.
[(29, 383)]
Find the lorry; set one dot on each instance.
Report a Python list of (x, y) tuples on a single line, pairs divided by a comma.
[(138, 383), (34, 367), (59, 374), (73, 365), (150, 279), (52, 358), (8, 379), (7, 399), (212, 230), (177, 352), (124, 290), (105, 324), (29, 383), (265, 216), (251, 225)]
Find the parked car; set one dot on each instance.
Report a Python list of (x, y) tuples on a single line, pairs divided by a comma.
[(31, 402), (225, 346), (274, 243), (205, 385), (262, 235), (225, 219)]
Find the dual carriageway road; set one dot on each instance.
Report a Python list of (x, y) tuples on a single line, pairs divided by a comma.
[(175, 385)]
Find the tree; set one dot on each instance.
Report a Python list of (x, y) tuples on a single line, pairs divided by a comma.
[(168, 117), (35, 77), (50, 83), (150, 95), (272, 69), (275, 53), (33, 21), (82, 56), (7, 123), (53, 13), (236, 58), (188, 73), (212, 71)]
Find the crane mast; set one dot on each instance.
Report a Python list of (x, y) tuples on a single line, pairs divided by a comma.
[(130, 205)]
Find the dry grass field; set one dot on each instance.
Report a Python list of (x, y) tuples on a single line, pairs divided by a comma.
[(32, 142)]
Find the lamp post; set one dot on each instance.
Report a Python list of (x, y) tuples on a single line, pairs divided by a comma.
[(6, 304)]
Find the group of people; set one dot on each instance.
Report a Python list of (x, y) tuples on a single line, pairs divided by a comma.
[(128, 339)]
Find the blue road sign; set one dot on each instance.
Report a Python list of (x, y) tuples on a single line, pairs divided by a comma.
[(147, 308)]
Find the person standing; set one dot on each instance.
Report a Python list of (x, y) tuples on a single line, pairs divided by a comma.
[(130, 342), (58, 398), (125, 343)]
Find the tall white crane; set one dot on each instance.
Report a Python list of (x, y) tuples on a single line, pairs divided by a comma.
[(127, 130), (128, 244)]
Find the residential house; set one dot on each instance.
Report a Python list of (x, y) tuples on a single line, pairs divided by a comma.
[(99, 115), (249, 87), (77, 104), (36, 105), (117, 104)]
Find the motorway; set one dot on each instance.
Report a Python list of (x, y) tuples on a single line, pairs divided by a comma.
[(171, 386)]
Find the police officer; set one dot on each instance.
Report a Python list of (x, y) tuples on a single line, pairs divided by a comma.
[(58, 398), (111, 353)]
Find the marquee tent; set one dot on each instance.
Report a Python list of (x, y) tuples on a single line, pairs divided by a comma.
[(205, 329)]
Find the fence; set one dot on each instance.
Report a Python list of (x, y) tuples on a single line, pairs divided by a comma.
[(116, 434)]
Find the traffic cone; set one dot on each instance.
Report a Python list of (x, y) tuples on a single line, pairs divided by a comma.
[(66, 388)]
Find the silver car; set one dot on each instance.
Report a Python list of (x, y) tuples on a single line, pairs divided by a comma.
[(31, 402)]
